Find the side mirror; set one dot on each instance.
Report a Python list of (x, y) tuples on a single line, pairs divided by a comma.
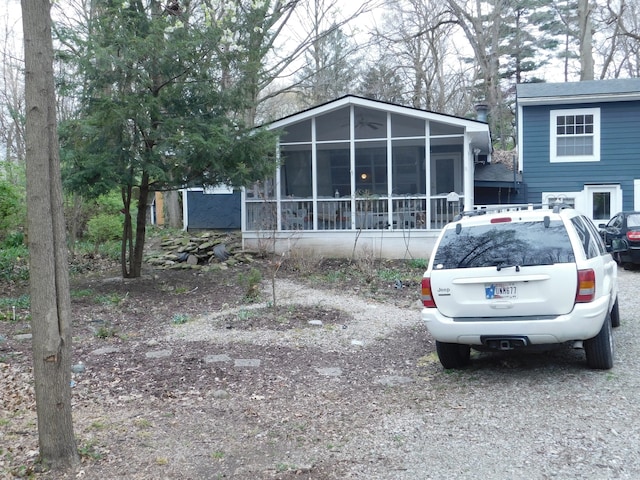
[(618, 245), (602, 225)]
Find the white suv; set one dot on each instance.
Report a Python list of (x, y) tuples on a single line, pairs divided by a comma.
[(520, 277)]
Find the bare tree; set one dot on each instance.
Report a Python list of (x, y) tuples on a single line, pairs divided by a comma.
[(618, 38), (294, 33), (49, 275), (415, 44), (586, 40), (11, 103)]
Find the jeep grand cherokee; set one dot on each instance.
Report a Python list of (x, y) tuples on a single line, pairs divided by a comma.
[(518, 278)]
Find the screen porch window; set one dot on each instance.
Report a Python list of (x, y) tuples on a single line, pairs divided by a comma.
[(575, 135)]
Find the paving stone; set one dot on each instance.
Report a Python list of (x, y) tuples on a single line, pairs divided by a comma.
[(217, 358), (78, 368), (158, 354), (105, 351), (247, 362), (393, 380), (221, 394), (330, 371)]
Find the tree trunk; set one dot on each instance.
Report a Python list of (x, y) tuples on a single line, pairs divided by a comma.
[(141, 227), (126, 250), (48, 265), (586, 40)]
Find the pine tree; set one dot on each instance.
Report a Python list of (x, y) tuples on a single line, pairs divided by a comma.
[(164, 105)]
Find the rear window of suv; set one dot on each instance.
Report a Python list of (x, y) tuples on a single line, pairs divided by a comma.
[(506, 244)]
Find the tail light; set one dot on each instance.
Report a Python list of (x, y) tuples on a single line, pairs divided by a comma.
[(633, 235), (586, 286), (427, 296)]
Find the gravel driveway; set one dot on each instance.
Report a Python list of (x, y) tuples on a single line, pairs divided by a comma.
[(401, 416), (516, 417)]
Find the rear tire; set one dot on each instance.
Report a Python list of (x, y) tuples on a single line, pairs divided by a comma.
[(453, 355), (599, 349)]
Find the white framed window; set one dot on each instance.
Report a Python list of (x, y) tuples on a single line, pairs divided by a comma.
[(564, 198), (575, 135)]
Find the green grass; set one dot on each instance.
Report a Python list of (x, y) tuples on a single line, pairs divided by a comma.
[(13, 308), (418, 263), (23, 302), (110, 299), (82, 293), (389, 275)]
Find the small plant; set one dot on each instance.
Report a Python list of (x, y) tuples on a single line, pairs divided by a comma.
[(244, 315), (142, 423), (180, 319), (419, 263), (23, 301), (335, 276), (105, 331), (251, 282), (104, 227), (217, 455), (97, 425), (13, 309), (14, 264), (88, 450)]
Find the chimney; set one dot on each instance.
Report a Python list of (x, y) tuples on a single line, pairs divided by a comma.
[(482, 110)]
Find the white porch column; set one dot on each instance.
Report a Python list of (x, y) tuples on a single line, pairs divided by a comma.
[(467, 174)]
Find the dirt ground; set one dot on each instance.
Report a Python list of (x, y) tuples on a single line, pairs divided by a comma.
[(146, 407)]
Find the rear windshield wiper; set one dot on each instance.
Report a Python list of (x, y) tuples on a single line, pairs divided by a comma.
[(500, 264)]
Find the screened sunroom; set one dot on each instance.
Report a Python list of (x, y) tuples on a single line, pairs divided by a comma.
[(358, 165)]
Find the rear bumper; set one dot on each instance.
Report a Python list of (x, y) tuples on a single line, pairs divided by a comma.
[(582, 323)]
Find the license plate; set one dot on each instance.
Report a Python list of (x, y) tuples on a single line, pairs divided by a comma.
[(500, 290)]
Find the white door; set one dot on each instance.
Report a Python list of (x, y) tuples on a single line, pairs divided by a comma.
[(603, 202)]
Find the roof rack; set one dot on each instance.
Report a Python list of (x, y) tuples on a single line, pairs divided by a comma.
[(513, 207)]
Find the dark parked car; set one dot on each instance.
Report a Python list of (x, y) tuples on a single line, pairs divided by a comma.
[(621, 236)]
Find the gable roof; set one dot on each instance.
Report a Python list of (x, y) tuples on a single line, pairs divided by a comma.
[(615, 90), (477, 129)]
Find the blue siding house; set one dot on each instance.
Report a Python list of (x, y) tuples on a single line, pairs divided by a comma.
[(579, 143)]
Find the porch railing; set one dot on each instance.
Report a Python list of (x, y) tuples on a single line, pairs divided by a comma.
[(407, 213)]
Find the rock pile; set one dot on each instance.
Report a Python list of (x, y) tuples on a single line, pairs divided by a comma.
[(209, 249)]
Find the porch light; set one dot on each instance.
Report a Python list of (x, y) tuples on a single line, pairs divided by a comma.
[(364, 176)]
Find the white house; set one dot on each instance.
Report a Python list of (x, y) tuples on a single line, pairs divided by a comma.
[(363, 174)]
